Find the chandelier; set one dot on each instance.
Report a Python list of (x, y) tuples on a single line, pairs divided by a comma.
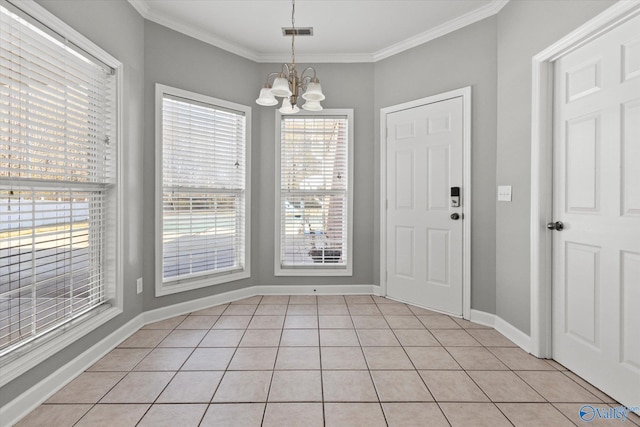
[(288, 85)]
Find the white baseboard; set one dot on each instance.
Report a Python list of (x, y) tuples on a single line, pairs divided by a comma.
[(22, 405), (316, 290), (36, 395), (521, 339), (19, 407), (483, 318), (186, 307), (199, 304), (421, 306), (60, 339)]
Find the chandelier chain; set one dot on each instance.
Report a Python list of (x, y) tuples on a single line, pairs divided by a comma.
[(293, 35), (290, 86)]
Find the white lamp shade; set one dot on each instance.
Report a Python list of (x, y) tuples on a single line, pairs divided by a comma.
[(266, 98), (312, 106), (281, 87), (287, 108), (314, 92)]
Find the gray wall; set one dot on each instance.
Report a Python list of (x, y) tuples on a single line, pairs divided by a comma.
[(173, 59), (202, 68), (466, 57), (125, 41), (525, 28), (346, 86), (493, 56)]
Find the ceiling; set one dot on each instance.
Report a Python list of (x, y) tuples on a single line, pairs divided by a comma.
[(344, 30)]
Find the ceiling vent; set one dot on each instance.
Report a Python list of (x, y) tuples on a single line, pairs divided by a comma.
[(297, 31)]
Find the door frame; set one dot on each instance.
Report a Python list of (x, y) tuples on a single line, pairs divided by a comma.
[(542, 165), (465, 93)]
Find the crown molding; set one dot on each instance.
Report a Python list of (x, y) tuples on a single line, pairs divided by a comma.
[(142, 6), (317, 58), (448, 27), (143, 9)]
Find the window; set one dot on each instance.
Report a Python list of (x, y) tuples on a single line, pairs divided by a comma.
[(58, 183), (314, 191), (203, 190)]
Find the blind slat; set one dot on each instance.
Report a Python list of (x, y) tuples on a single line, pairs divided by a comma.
[(313, 190), (203, 189), (56, 164)]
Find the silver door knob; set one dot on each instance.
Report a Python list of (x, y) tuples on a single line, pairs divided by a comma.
[(558, 225), (455, 216)]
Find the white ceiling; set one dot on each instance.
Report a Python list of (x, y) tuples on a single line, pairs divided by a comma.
[(344, 30)]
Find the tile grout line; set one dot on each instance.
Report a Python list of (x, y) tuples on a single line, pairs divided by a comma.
[(583, 387), (563, 414), (413, 364), (132, 370), (553, 404), (275, 360), (375, 389), (208, 404), (180, 368), (324, 415), (475, 382), (224, 374)]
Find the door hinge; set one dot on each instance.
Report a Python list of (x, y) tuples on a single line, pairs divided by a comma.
[(386, 204)]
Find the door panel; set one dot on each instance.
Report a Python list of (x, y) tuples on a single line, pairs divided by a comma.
[(631, 158), (424, 245), (631, 59), (404, 181), (582, 289), (630, 313), (582, 170), (596, 257), (438, 169), (438, 255), (583, 80), (404, 252)]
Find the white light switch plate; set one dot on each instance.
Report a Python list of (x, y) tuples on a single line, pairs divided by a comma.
[(139, 285), (504, 193)]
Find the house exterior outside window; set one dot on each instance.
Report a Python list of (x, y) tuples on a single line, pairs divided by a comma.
[(314, 194), (203, 190)]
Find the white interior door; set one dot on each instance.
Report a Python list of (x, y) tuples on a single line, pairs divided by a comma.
[(424, 242), (596, 257)]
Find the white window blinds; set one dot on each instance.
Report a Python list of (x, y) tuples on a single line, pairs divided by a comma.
[(314, 186), (203, 189), (56, 180)]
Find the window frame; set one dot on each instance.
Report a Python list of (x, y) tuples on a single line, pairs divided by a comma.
[(26, 357), (163, 287), (324, 270)]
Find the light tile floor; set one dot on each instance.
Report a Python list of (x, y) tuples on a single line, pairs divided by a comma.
[(319, 361)]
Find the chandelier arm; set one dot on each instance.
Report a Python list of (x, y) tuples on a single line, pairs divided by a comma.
[(305, 70), (304, 82), (271, 75)]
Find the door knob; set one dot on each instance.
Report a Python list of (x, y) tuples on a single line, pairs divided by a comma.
[(558, 225), (455, 216)]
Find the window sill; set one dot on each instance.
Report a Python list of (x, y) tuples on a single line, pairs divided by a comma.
[(319, 272), (31, 358), (202, 282)]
